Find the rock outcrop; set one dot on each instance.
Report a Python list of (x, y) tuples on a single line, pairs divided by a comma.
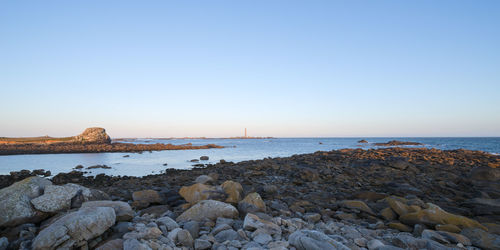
[(15, 205), (93, 135)]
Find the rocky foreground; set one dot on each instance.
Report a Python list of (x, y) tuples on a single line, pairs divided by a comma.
[(92, 140), (347, 199)]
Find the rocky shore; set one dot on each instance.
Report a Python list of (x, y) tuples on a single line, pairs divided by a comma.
[(390, 198), (92, 140)]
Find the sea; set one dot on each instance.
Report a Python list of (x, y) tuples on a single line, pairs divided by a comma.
[(236, 150)]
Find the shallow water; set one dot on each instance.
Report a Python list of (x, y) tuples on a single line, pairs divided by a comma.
[(236, 150)]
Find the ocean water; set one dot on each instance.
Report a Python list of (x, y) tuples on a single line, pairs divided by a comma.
[(236, 150)]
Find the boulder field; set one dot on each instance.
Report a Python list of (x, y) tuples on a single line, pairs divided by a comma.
[(346, 199)]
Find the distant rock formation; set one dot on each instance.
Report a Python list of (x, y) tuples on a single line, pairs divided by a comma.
[(93, 135)]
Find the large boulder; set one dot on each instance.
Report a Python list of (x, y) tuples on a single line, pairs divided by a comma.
[(196, 192), (314, 240), (15, 200), (234, 191), (75, 229), (208, 209), (93, 135), (58, 198), (434, 215), (123, 211)]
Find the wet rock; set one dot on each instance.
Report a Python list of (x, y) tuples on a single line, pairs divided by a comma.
[(123, 211), (16, 206), (362, 141), (74, 229), (197, 192), (434, 215), (314, 240), (234, 191), (482, 239), (204, 158), (252, 203), (58, 198), (208, 209)]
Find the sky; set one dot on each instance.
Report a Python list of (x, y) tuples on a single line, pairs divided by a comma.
[(277, 68)]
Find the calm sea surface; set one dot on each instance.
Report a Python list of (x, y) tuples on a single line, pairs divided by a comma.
[(236, 150)]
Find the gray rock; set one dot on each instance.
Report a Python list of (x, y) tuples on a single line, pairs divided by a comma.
[(220, 227), (482, 239), (374, 244), (229, 234), (262, 238), (74, 229), (122, 209), (208, 209), (58, 198), (203, 179), (133, 244), (253, 222), (313, 240), (193, 227), (184, 238), (16, 207), (111, 245), (200, 244), (168, 222), (4, 243)]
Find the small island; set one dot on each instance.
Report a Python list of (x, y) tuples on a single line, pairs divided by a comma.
[(398, 143), (92, 140)]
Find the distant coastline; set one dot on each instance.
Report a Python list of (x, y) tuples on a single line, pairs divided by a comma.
[(192, 138), (92, 140)]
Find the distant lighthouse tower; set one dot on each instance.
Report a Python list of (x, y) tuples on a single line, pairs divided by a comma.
[(246, 133)]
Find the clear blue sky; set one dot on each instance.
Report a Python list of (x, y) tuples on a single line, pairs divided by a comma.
[(279, 68)]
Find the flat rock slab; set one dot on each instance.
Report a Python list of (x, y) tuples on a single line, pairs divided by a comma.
[(74, 229)]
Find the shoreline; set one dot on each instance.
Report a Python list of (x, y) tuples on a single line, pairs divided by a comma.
[(66, 148), (358, 197)]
